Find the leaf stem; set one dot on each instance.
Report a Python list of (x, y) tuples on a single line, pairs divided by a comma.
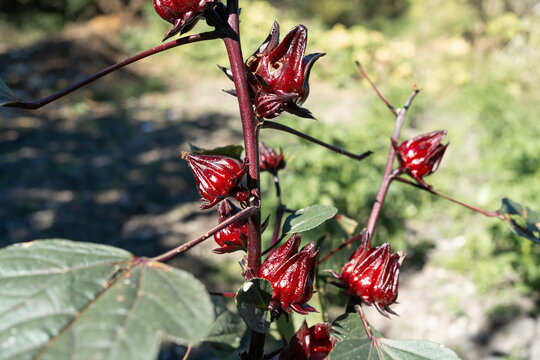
[(280, 210), (277, 126), (365, 75), (365, 322), (186, 246), (447, 197), (32, 105)]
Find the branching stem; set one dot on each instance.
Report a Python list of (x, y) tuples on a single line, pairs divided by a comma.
[(32, 105), (186, 246), (277, 126), (444, 196)]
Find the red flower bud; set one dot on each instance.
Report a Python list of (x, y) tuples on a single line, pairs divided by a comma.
[(421, 155), (234, 236), (279, 73), (291, 273), (217, 177), (183, 14), (309, 344), (373, 275), (269, 160)]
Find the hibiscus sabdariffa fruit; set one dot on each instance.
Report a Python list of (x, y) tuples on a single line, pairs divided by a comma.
[(234, 236), (291, 273), (278, 73), (421, 155), (372, 274), (218, 177), (269, 160), (183, 14), (313, 343)]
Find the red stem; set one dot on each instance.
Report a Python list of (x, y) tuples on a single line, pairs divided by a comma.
[(280, 209), (365, 75), (32, 105), (186, 246), (444, 196), (251, 143)]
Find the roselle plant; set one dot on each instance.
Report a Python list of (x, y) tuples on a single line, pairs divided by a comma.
[(61, 299)]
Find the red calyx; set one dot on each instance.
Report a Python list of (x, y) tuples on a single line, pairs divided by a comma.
[(183, 14), (373, 275), (291, 273), (279, 73), (217, 177), (234, 236), (421, 155), (269, 160), (314, 343)]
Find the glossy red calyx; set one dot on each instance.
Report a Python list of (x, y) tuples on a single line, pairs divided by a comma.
[(421, 155), (217, 178), (278, 73), (372, 274), (183, 14), (269, 160), (234, 236), (314, 343), (291, 273)]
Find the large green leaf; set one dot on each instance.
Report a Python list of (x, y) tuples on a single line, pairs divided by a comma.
[(6, 94), (308, 218), (227, 331), (355, 344), (234, 151), (252, 300), (69, 300), (522, 220)]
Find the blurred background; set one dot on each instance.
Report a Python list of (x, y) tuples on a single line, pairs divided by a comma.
[(103, 164)]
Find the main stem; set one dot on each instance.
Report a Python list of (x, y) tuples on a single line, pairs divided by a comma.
[(249, 127)]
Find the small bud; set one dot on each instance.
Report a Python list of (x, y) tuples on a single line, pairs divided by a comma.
[(314, 343), (269, 160), (234, 236), (217, 177), (373, 275), (421, 155), (183, 14), (291, 273), (279, 73)]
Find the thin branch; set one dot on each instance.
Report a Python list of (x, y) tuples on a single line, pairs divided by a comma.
[(188, 352), (224, 294), (388, 173), (186, 246), (280, 210), (365, 75), (343, 245), (32, 105), (444, 196), (277, 126), (365, 322)]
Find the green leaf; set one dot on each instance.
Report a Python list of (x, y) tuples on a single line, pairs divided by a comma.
[(355, 344), (227, 331), (234, 151), (308, 218), (6, 94), (70, 300), (522, 220), (252, 301)]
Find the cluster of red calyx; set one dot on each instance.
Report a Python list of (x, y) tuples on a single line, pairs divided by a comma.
[(291, 273), (421, 156), (183, 14), (279, 74), (314, 343), (372, 274), (218, 177), (234, 236), (269, 160)]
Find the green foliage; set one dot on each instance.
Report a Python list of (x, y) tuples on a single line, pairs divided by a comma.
[(354, 343), (252, 301), (308, 218), (63, 299)]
